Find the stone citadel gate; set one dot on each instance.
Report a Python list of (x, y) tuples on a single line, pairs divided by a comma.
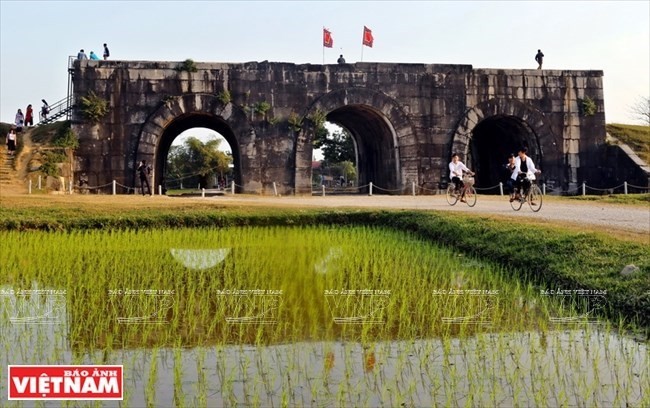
[(406, 119)]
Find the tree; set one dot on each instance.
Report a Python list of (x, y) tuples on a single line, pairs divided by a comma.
[(348, 170), (641, 110), (338, 147), (197, 159)]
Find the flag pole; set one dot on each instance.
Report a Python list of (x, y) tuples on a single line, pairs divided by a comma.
[(361, 51), (323, 47)]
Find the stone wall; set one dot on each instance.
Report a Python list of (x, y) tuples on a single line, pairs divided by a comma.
[(406, 118)]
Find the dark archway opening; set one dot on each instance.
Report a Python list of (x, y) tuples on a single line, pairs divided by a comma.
[(374, 137), (493, 139), (194, 120)]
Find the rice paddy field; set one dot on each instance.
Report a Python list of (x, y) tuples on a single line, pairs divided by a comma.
[(306, 316)]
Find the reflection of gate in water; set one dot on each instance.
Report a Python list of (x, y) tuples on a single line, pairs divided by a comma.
[(357, 308)]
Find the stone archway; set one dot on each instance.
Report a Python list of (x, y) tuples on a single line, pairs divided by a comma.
[(490, 130), (189, 111), (383, 135)]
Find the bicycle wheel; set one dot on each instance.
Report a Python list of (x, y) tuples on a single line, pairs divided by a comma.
[(535, 198), (452, 197), (470, 196), (516, 204)]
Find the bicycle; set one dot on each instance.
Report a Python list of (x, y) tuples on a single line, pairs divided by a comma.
[(454, 194), (532, 195)]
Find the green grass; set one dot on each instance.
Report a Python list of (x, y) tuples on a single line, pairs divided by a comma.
[(615, 198), (302, 263), (44, 134), (548, 256), (405, 351), (636, 136)]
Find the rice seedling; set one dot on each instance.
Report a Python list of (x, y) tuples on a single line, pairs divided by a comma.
[(298, 316)]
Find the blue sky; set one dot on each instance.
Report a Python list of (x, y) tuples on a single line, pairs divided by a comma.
[(614, 36)]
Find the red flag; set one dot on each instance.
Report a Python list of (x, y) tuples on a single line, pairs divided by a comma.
[(328, 41), (367, 37)]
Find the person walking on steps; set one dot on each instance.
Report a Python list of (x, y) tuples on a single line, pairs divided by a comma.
[(45, 110), (29, 116), (11, 141)]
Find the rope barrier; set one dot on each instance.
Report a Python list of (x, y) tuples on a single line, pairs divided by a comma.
[(357, 189), (604, 189), (183, 178), (486, 188), (126, 187), (388, 190), (638, 187), (94, 187)]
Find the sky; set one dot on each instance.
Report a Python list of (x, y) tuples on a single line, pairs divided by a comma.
[(36, 38)]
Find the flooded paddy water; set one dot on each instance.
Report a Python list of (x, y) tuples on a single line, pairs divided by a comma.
[(306, 316)]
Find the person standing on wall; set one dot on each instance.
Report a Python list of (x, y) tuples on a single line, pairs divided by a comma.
[(539, 58), (29, 116), (45, 109), (20, 121), (106, 52), (145, 171)]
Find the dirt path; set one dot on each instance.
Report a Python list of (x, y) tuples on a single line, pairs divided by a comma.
[(605, 216)]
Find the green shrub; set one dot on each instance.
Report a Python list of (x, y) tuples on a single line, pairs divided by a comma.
[(93, 107), (65, 137), (49, 166), (295, 122), (225, 97), (589, 107), (262, 107), (188, 65)]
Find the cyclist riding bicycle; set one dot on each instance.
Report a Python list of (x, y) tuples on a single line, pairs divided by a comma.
[(522, 174), (456, 168)]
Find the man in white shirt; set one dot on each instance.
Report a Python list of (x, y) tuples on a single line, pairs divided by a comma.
[(456, 169), (523, 166)]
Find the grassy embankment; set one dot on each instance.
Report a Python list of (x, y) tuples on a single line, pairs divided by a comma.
[(615, 198), (635, 136), (551, 256)]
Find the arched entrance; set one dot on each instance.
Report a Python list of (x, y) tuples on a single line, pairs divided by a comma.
[(374, 141), (190, 121), (492, 129), (379, 127), (195, 111), (492, 140)]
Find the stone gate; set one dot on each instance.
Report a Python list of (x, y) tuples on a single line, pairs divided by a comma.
[(406, 119)]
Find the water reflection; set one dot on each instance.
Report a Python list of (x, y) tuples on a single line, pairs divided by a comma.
[(577, 368)]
